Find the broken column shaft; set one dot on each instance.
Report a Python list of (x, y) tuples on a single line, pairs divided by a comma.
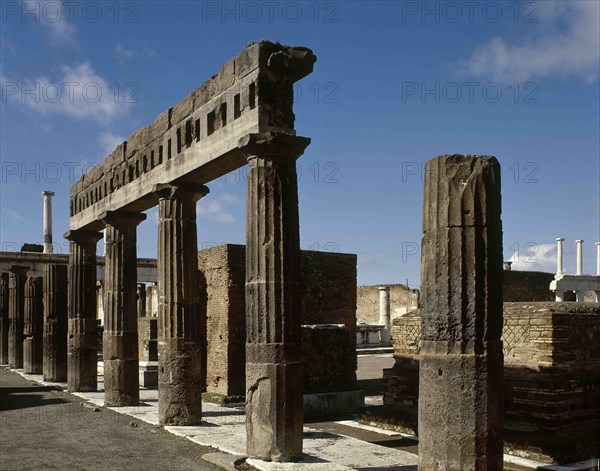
[(54, 366), (82, 353), (16, 313), (461, 364), (33, 326), (120, 337), (180, 332), (274, 375), (4, 323)]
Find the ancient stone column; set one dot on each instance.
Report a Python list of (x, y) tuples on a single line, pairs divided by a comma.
[(48, 221), (180, 334), (597, 258), (274, 384), (16, 313), (55, 323), (33, 326), (120, 337), (384, 314), (82, 353), (141, 300), (579, 271), (461, 363), (4, 324), (559, 255)]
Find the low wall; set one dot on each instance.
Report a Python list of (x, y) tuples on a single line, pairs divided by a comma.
[(552, 380)]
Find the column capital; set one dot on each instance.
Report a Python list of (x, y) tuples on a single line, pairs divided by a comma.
[(384, 288), (119, 218), (268, 148), (47, 193), (560, 239), (19, 269), (180, 190), (80, 236), (579, 241)]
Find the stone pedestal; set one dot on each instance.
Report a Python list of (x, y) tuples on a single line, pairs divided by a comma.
[(16, 313), (120, 337), (461, 363), (4, 323), (82, 353), (34, 326), (55, 323), (180, 332), (274, 376)]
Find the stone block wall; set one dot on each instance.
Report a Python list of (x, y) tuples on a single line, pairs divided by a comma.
[(367, 302), (147, 335), (328, 297), (552, 379)]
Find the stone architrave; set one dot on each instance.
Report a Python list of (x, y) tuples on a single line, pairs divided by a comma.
[(274, 375), (461, 362), (120, 337), (33, 326), (16, 313), (82, 353), (180, 331), (55, 323), (4, 323)]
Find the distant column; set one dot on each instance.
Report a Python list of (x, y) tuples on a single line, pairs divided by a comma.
[(461, 363), (180, 334), (16, 314), (579, 257), (559, 255), (597, 258), (4, 323), (120, 337), (82, 353), (48, 221), (141, 300), (34, 326), (55, 323), (274, 400), (384, 314)]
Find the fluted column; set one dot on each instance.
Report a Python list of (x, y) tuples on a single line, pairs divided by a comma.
[(120, 337), (16, 313), (4, 324), (34, 325), (461, 364), (559, 255), (54, 366), (579, 271), (274, 384), (82, 353), (384, 314), (180, 332)]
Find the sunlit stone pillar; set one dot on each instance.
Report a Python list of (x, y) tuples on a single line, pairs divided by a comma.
[(33, 326), (55, 323), (82, 353), (579, 257), (559, 255), (461, 362), (120, 337), (384, 314), (48, 221), (141, 300), (597, 258), (4, 323), (274, 401), (180, 333), (16, 313)]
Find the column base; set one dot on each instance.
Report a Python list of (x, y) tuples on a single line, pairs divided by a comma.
[(179, 383), (82, 356), (121, 383), (32, 357), (15, 352), (54, 363), (274, 411)]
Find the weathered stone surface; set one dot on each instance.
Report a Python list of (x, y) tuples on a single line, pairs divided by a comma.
[(82, 353), (461, 373), (33, 326), (55, 323), (16, 313), (274, 375), (4, 323), (120, 337), (180, 330)]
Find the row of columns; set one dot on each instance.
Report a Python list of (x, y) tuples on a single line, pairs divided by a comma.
[(579, 269), (33, 321)]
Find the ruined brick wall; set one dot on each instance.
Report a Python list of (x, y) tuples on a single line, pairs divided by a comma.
[(328, 297), (552, 379), (367, 302)]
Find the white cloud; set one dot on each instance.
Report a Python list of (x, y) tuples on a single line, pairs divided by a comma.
[(54, 17), (149, 52), (534, 257), (564, 44), (78, 93), (109, 142), (124, 54), (11, 213), (216, 208)]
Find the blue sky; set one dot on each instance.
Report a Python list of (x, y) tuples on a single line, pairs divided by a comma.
[(395, 84)]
